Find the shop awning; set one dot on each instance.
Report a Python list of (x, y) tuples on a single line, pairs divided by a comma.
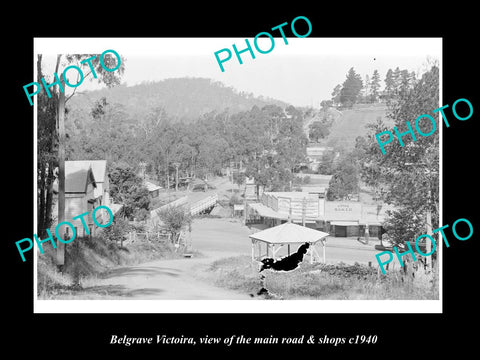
[(344, 223), (371, 222), (265, 211)]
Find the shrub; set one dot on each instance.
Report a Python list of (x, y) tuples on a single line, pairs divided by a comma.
[(116, 231), (141, 214), (175, 219), (235, 200)]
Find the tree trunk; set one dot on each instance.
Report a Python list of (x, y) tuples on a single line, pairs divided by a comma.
[(41, 201), (48, 204), (41, 170), (176, 178), (168, 180), (167, 173), (61, 168)]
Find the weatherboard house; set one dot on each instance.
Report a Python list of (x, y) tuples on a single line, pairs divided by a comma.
[(315, 155), (99, 170), (153, 189), (86, 187), (80, 186)]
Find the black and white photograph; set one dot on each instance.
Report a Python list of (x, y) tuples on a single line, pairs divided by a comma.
[(262, 184), (218, 180)]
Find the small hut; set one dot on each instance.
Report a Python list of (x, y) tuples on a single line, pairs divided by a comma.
[(288, 234)]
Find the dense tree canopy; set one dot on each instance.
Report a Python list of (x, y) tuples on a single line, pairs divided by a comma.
[(374, 86), (269, 141), (175, 219), (408, 176), (318, 130), (355, 91), (126, 188), (351, 88), (344, 182)]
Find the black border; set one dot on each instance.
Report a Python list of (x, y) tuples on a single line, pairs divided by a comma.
[(411, 334)]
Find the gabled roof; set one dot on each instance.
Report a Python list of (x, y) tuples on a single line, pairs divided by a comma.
[(151, 186), (99, 167), (77, 177)]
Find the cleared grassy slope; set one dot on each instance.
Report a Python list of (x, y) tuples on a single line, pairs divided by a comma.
[(352, 123)]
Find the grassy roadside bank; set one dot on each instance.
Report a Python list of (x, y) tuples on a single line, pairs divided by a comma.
[(323, 281), (86, 259)]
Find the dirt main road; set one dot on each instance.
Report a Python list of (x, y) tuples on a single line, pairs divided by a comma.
[(164, 279), (178, 278)]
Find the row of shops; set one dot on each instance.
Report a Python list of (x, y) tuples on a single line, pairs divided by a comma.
[(338, 218)]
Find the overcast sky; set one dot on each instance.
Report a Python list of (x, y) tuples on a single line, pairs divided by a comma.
[(302, 73)]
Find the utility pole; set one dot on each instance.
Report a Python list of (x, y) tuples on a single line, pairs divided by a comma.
[(429, 229), (428, 217), (61, 169), (245, 215), (304, 210), (367, 233), (245, 208)]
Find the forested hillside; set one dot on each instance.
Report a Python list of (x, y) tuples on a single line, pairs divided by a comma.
[(149, 124), (181, 98)]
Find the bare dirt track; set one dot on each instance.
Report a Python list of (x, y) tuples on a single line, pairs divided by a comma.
[(162, 280), (178, 278)]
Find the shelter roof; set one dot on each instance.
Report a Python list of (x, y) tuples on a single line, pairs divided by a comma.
[(289, 233)]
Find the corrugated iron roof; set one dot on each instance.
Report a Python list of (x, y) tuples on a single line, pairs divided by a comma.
[(151, 186), (291, 194), (265, 211)]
